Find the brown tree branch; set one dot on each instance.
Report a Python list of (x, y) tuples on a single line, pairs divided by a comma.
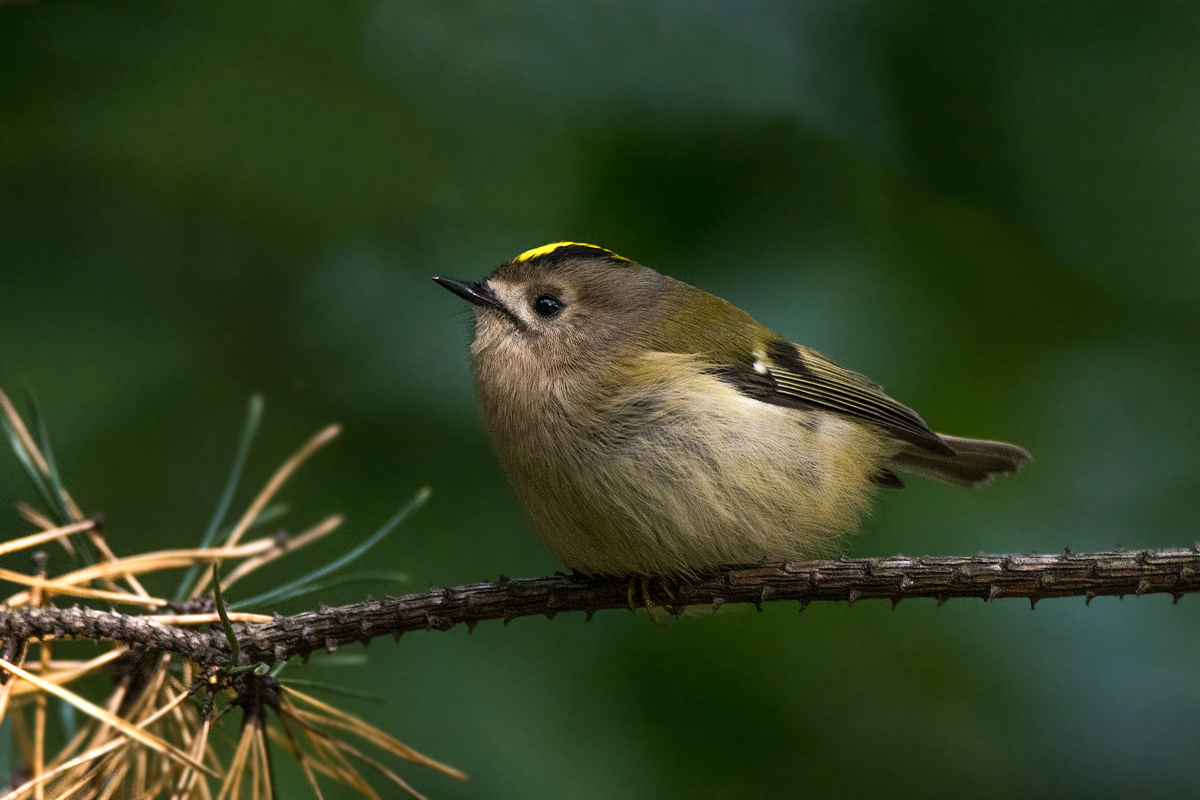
[(1035, 577)]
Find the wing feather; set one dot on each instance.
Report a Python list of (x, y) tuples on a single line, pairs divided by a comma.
[(787, 374)]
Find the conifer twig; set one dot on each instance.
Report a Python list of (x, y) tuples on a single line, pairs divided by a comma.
[(1033, 577)]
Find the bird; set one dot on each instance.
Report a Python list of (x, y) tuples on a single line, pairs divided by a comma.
[(650, 428)]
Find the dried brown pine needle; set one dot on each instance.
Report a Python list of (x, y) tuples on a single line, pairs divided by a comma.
[(186, 781), (187, 620), (86, 758), (69, 589), (31, 514), (91, 755), (64, 675), (277, 480), (107, 717), (107, 555), (288, 741), (34, 539), (22, 432), (147, 562), (142, 739), (336, 762), (231, 787), (325, 527), (39, 733), (348, 722), (33, 451)]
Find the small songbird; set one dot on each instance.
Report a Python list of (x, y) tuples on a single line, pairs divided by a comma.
[(651, 428)]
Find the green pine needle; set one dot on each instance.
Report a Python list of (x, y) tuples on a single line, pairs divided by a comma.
[(249, 430), (31, 470), (56, 488), (235, 649), (83, 545), (320, 586), (306, 583)]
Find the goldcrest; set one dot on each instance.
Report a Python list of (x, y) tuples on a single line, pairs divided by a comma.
[(651, 428)]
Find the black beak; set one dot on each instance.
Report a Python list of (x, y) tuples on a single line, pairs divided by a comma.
[(476, 293)]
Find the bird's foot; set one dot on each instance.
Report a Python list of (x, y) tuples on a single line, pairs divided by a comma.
[(641, 590)]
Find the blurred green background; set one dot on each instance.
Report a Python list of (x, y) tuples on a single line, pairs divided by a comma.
[(991, 208)]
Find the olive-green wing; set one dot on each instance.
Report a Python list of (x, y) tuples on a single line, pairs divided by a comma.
[(789, 375)]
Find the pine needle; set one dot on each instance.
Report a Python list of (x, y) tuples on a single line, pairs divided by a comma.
[(58, 587), (107, 717), (253, 418), (277, 480), (34, 539), (325, 527), (301, 585), (66, 675), (90, 755), (371, 734), (185, 620)]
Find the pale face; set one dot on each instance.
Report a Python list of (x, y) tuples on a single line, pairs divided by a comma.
[(565, 317)]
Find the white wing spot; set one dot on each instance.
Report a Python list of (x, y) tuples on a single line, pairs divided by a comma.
[(759, 358)]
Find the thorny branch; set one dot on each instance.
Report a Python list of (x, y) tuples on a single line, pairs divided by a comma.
[(1035, 577)]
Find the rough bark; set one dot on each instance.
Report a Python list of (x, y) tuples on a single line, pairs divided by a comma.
[(1035, 577)]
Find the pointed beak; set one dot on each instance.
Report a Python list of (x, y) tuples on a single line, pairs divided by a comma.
[(476, 293)]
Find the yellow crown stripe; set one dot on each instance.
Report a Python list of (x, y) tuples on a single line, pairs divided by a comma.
[(547, 249)]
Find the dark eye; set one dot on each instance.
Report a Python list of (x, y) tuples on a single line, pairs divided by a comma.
[(547, 305)]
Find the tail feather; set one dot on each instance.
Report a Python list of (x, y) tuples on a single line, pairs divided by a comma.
[(974, 461)]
